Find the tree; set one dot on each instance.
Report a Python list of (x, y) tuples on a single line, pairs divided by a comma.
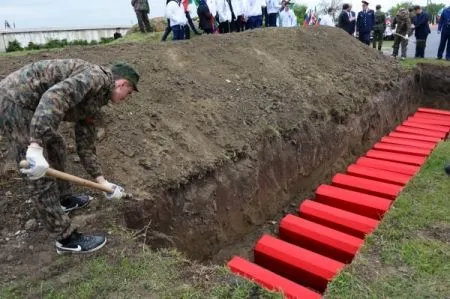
[(394, 10), (324, 5), (300, 11), (432, 9)]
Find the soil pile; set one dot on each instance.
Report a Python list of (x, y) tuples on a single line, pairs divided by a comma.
[(212, 102)]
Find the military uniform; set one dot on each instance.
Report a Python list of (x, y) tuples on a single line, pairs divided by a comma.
[(403, 22), (142, 9), (380, 27), (365, 23), (33, 102)]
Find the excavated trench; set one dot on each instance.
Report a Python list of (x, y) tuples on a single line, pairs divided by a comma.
[(220, 209)]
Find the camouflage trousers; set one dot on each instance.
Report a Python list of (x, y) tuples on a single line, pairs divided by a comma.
[(46, 192), (398, 40), (377, 38)]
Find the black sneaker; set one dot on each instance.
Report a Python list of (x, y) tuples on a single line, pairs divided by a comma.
[(74, 202), (447, 169), (78, 243)]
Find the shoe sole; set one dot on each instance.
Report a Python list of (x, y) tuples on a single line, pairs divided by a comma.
[(77, 207), (61, 251)]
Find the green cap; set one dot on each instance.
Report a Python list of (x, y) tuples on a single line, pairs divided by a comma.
[(126, 72)]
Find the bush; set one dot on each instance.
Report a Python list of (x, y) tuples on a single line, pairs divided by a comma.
[(105, 40), (55, 43), (14, 46), (33, 46)]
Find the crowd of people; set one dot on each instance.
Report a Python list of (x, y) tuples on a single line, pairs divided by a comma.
[(225, 16)]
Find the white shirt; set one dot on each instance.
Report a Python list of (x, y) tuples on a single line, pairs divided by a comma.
[(273, 6), (327, 20), (254, 8), (238, 7), (212, 7), (224, 11), (175, 13), (288, 18)]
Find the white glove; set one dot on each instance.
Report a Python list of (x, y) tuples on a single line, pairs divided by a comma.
[(37, 164), (118, 192)]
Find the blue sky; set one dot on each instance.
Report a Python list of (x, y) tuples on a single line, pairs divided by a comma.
[(68, 13)]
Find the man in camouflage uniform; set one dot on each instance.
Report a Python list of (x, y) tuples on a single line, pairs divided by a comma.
[(380, 27), (33, 102), (403, 22), (142, 9)]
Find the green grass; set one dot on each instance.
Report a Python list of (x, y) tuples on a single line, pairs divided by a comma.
[(139, 37), (408, 256), (130, 38), (145, 274), (412, 62)]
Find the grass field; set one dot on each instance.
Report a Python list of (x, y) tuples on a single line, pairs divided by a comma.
[(408, 256)]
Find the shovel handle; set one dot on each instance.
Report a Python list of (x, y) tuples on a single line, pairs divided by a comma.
[(71, 178)]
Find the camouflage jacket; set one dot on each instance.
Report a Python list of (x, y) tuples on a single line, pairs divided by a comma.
[(62, 90), (380, 21), (141, 5), (403, 22)]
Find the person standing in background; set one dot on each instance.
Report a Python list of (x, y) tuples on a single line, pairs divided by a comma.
[(175, 13), (365, 23), (444, 31), (345, 19), (421, 29), (142, 9), (287, 16), (238, 24), (402, 26), (225, 16), (327, 20), (253, 14), (273, 9), (205, 17), (380, 27), (189, 21)]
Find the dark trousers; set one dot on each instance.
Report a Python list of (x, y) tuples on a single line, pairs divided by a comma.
[(178, 32), (254, 22), (364, 37), (445, 37), (265, 16), (238, 25), (273, 20), (399, 41), (143, 22), (167, 31), (421, 43), (377, 38), (224, 27), (191, 24)]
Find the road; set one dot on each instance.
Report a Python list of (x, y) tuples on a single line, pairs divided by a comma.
[(430, 51), (432, 45)]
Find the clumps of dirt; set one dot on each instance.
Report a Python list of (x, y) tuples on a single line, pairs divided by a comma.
[(276, 109)]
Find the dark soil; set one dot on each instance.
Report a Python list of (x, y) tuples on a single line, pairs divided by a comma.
[(225, 132)]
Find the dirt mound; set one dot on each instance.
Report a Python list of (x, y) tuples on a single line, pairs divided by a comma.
[(215, 101)]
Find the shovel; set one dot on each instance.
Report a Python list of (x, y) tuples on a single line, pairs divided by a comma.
[(76, 180), (404, 37)]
